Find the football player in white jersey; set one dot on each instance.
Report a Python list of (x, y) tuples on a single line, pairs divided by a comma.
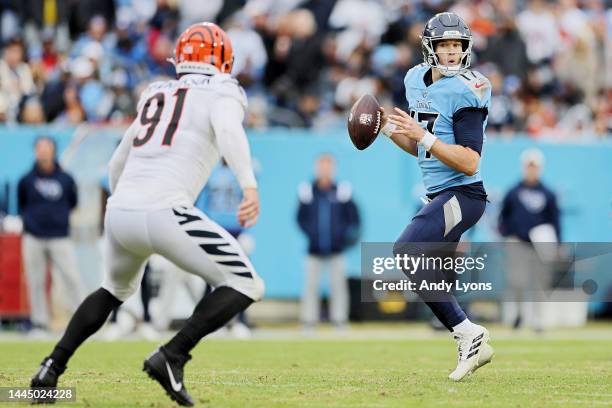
[(163, 161)]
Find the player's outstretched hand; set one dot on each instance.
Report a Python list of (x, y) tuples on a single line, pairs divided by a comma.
[(406, 125), (248, 212)]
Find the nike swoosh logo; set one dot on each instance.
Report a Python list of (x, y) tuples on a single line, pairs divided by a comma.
[(176, 386), (479, 85)]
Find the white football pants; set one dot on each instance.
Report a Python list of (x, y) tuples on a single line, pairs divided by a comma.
[(183, 235)]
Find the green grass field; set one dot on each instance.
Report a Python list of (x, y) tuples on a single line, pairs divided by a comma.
[(334, 373)]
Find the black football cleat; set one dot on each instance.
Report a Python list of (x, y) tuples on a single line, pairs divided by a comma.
[(46, 377), (168, 372)]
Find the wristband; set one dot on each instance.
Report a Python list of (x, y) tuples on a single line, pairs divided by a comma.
[(388, 129), (428, 140)]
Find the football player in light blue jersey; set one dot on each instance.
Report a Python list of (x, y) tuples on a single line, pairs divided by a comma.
[(444, 128)]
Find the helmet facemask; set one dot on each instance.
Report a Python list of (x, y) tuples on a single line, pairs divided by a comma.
[(428, 45)]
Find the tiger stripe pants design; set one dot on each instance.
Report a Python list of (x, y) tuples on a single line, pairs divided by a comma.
[(183, 235)]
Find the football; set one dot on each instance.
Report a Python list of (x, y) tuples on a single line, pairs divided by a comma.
[(364, 121)]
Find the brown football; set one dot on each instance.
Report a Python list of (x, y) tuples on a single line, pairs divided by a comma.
[(364, 121)]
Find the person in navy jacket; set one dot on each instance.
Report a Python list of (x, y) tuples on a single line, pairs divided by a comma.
[(329, 218), (529, 216), (46, 197), (530, 203)]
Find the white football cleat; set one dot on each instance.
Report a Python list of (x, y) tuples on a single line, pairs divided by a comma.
[(474, 352)]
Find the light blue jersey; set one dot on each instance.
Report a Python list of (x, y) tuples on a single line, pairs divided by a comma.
[(221, 198), (434, 106)]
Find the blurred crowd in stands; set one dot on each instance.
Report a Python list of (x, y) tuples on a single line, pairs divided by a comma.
[(303, 62)]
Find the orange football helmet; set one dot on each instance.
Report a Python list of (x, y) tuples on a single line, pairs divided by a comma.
[(203, 48)]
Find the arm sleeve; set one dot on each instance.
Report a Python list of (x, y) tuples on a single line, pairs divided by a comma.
[(117, 162), (226, 119), (468, 127)]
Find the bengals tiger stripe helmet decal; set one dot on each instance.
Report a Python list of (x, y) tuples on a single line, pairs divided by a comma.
[(203, 48)]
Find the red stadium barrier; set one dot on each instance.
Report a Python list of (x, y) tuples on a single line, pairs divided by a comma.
[(13, 284)]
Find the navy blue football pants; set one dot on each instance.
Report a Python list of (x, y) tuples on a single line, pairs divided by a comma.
[(435, 231)]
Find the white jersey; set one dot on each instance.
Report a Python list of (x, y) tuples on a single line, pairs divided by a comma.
[(182, 128)]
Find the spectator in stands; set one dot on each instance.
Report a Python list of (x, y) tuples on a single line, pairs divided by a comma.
[(94, 97), (46, 197), (129, 52), (539, 116), (297, 58), (507, 50), (360, 21), (123, 104), (45, 62), (329, 218), (540, 32), (83, 11), (15, 78), (73, 112), (160, 39), (97, 33), (578, 63), (52, 94), (9, 20), (251, 57), (32, 112)]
